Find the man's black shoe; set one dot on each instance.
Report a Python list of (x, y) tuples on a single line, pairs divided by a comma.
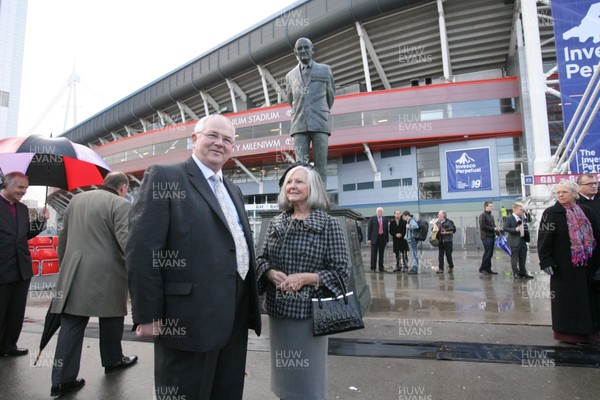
[(58, 389), (16, 352), (493, 272), (485, 273), (125, 362), (526, 277)]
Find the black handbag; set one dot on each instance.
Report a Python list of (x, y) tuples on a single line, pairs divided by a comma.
[(336, 314)]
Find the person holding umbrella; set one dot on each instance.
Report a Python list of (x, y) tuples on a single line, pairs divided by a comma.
[(15, 259), (518, 237), (92, 281)]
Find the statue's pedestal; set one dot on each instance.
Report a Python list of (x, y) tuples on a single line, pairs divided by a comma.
[(346, 218)]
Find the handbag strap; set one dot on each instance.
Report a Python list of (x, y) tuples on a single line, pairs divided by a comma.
[(342, 286)]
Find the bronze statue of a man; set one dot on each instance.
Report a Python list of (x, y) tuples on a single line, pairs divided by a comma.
[(310, 92)]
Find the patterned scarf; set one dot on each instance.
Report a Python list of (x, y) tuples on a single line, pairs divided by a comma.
[(581, 235)]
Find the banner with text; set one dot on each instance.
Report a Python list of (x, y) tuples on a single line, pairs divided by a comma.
[(469, 170), (577, 35)]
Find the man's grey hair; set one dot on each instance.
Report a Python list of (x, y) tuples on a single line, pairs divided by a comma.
[(10, 177), (317, 195), (587, 175), (199, 127)]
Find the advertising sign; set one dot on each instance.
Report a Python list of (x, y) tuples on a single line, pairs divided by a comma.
[(469, 170), (577, 34)]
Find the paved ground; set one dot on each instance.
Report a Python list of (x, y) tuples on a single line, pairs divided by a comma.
[(427, 337)]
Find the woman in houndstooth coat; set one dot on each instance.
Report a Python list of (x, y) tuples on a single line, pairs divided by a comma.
[(303, 249)]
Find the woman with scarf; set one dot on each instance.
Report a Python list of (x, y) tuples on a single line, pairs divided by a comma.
[(567, 239)]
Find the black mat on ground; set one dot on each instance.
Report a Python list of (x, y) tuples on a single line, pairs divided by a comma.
[(524, 355), (527, 356)]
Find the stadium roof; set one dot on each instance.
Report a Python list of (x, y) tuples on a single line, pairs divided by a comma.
[(402, 38)]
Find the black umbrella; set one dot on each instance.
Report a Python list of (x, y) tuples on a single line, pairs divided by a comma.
[(51, 325)]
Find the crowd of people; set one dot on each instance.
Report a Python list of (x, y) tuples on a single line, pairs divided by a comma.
[(567, 245), (194, 278)]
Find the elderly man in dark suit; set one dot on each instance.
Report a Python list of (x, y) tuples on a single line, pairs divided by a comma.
[(15, 259), (588, 193), (518, 237), (310, 91), (92, 280), (377, 238), (192, 273)]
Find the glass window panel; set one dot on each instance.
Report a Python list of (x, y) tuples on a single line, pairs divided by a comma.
[(361, 157), (391, 183), (364, 185), (390, 153), (428, 170)]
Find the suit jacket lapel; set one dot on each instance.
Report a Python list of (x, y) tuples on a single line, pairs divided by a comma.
[(203, 187)]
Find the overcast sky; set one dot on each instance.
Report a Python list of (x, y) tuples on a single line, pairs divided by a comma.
[(116, 48)]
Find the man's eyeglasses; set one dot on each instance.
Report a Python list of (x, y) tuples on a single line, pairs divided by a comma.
[(214, 137), (589, 184)]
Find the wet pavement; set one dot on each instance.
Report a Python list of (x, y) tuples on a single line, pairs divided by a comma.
[(427, 336)]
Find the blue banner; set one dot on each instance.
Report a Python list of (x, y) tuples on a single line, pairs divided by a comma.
[(469, 170), (577, 34)]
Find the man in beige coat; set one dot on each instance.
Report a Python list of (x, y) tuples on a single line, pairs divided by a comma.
[(92, 280)]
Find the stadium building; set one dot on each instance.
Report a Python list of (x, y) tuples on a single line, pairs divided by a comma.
[(439, 104)]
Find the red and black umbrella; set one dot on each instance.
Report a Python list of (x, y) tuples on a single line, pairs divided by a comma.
[(55, 162)]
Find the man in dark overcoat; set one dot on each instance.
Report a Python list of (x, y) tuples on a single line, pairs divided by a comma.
[(15, 260)]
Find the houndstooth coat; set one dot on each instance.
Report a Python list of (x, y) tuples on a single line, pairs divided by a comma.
[(314, 245)]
